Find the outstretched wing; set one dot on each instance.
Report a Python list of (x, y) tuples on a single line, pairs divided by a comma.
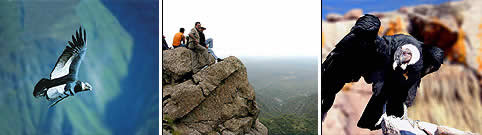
[(433, 58), (360, 53), (356, 55), (69, 62)]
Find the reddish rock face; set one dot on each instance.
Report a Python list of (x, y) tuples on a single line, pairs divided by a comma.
[(396, 26), (379, 15), (333, 17), (432, 32), (450, 38), (403, 10)]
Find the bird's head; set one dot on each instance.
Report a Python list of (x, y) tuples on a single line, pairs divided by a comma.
[(405, 55), (86, 86)]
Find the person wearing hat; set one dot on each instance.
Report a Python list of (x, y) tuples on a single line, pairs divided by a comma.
[(207, 43)]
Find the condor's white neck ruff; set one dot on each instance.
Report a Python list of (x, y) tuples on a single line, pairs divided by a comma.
[(415, 53), (414, 58)]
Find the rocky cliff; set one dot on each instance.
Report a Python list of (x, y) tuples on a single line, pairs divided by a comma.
[(456, 27), (216, 100), (450, 96)]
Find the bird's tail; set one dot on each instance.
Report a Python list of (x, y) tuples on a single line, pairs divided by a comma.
[(58, 100)]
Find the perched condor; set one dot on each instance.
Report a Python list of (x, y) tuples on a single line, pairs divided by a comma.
[(63, 80), (394, 65)]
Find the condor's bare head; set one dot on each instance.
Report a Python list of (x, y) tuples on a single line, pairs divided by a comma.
[(405, 55)]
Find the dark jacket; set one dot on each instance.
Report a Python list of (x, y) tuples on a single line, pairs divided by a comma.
[(164, 44)]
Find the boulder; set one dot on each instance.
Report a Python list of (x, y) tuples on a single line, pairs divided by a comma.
[(180, 63), (403, 10), (178, 100), (213, 75), (396, 126), (216, 100)]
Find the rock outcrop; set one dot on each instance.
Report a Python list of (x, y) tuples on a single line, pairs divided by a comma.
[(450, 96), (353, 14), (396, 126), (453, 26), (216, 100), (181, 63)]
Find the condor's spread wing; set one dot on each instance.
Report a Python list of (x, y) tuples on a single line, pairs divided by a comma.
[(433, 58), (69, 62), (360, 53), (354, 54)]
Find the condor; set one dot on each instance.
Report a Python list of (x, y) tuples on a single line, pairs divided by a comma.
[(63, 80), (394, 65)]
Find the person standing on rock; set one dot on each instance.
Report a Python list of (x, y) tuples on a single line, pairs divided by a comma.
[(201, 53), (179, 39), (207, 43)]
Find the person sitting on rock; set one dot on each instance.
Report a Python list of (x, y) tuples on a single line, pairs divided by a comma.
[(201, 53), (179, 39), (164, 43), (207, 43)]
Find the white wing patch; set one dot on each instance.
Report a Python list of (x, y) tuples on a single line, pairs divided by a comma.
[(56, 91), (60, 71)]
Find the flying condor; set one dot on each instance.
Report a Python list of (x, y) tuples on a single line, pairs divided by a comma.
[(393, 65), (63, 80)]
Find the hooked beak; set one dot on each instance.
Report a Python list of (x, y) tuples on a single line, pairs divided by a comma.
[(87, 86), (400, 63)]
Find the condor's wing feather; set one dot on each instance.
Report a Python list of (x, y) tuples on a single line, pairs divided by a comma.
[(433, 58), (69, 60), (360, 53)]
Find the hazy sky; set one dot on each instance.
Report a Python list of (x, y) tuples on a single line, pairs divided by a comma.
[(249, 27)]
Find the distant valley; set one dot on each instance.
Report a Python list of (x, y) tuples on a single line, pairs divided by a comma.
[(286, 92)]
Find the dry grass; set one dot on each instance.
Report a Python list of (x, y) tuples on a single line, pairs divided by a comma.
[(450, 97)]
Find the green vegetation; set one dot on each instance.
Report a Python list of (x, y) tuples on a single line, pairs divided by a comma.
[(290, 124), (286, 93)]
